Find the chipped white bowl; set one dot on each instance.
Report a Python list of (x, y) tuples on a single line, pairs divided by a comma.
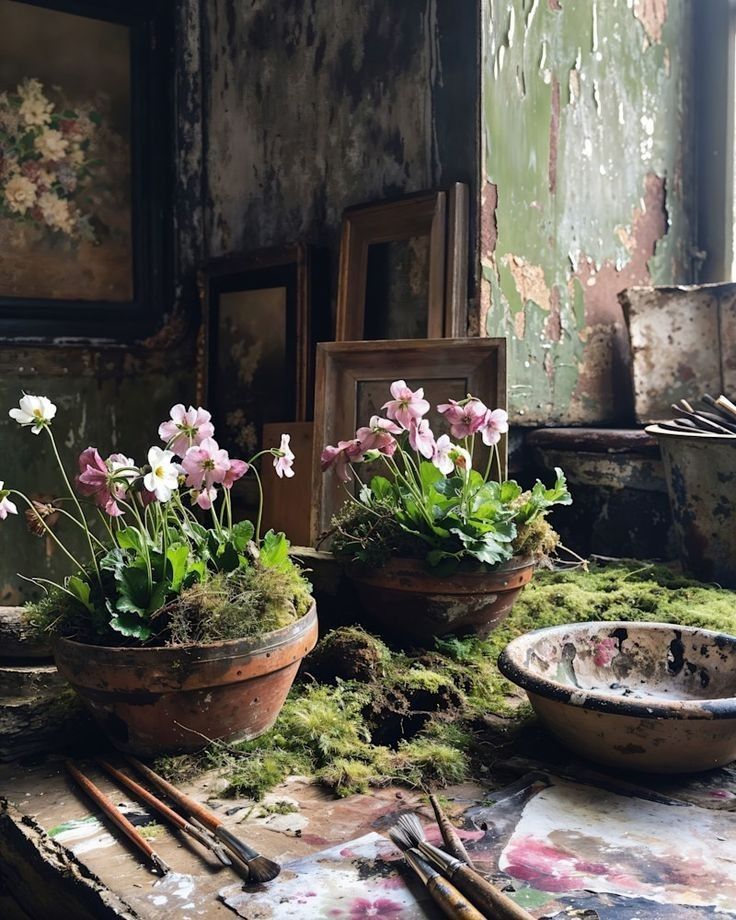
[(654, 697)]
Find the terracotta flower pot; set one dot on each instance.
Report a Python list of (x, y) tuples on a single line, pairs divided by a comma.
[(406, 599), (152, 701)]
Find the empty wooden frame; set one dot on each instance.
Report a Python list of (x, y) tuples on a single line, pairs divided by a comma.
[(424, 237), (352, 382)]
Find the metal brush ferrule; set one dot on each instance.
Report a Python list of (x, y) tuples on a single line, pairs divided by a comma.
[(160, 865), (443, 861)]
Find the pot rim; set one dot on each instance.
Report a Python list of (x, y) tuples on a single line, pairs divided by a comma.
[(419, 567), (509, 666), (660, 432), (231, 648)]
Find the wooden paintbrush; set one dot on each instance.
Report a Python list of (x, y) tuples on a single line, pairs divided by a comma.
[(487, 898), (202, 837), (451, 838), (444, 894), (118, 819), (260, 868)]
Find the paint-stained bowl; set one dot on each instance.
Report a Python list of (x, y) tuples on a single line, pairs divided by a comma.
[(643, 696)]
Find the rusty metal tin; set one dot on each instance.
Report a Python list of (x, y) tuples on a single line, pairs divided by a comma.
[(407, 600), (701, 480), (152, 701)]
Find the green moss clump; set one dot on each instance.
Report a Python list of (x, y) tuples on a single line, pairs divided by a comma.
[(247, 602), (250, 601), (151, 831), (418, 718)]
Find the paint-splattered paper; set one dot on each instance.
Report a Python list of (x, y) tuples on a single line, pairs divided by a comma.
[(572, 837), (353, 881)]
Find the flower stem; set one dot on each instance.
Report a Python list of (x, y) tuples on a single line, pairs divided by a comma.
[(260, 506), (83, 519), (48, 530)]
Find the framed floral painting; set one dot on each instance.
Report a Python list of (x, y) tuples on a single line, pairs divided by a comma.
[(83, 136)]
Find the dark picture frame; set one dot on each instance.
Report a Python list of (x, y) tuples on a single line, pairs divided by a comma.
[(438, 218), (476, 366), (295, 269), (150, 25)]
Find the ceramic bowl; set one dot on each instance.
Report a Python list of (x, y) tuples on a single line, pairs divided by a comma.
[(643, 696)]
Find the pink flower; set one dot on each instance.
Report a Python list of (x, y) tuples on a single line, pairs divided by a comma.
[(406, 404), (187, 428), (345, 453), (6, 506), (283, 463), (105, 481), (205, 464), (236, 470), (465, 418), (441, 454), (421, 438), (378, 435), (204, 498), (495, 423)]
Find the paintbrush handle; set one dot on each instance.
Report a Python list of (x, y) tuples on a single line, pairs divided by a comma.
[(162, 808), (451, 838), (118, 819), (486, 897), (146, 796), (450, 901), (192, 807)]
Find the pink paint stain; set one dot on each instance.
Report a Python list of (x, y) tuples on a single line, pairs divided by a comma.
[(549, 869), (382, 907), (605, 651)]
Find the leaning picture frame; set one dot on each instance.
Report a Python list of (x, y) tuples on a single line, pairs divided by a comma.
[(403, 269), (256, 355), (86, 143), (352, 383)]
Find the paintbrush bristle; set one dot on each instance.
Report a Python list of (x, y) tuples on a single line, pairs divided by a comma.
[(263, 869), (412, 827), (402, 840)]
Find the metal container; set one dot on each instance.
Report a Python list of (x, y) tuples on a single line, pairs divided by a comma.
[(701, 480), (152, 701), (408, 601)]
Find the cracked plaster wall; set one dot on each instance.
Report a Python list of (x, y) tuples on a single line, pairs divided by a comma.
[(585, 191)]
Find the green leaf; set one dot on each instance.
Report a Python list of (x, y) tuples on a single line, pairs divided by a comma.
[(130, 625), (429, 475), (227, 559), (177, 556), (442, 563), (242, 534), (81, 590), (134, 593), (449, 487), (382, 489), (130, 538), (275, 551)]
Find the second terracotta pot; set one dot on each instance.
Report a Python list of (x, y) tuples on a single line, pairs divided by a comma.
[(405, 599), (152, 701)]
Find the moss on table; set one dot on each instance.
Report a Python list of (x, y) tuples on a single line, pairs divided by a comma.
[(365, 713)]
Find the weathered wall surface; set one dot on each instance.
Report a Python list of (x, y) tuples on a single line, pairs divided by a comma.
[(108, 395), (585, 181), (315, 106)]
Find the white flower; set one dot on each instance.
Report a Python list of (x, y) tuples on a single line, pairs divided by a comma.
[(51, 144), (6, 506), (35, 109), (37, 411), (56, 212), (20, 194), (284, 458), (76, 155), (441, 455), (163, 479)]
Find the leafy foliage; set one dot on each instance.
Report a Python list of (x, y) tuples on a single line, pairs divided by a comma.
[(447, 519)]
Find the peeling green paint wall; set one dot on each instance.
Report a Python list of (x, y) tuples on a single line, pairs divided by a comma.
[(586, 163)]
